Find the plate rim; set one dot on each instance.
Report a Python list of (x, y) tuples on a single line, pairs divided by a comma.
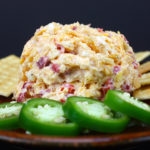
[(77, 141)]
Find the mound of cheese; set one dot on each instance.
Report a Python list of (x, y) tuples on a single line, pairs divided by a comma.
[(65, 60)]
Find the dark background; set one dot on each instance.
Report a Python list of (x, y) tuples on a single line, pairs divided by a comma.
[(20, 18)]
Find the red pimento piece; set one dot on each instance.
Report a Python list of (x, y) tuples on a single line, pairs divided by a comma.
[(100, 29), (74, 28), (109, 82), (126, 87), (60, 48), (62, 89), (62, 100), (43, 62), (116, 69), (139, 75), (27, 85), (101, 97), (135, 64), (55, 68), (70, 87), (107, 86), (71, 90), (21, 97)]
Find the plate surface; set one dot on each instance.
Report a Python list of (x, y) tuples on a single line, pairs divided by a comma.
[(131, 136)]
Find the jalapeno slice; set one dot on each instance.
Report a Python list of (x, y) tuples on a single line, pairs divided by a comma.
[(94, 115), (126, 104), (9, 115), (45, 116)]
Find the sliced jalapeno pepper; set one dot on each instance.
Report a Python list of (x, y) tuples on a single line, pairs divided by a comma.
[(94, 115), (45, 116), (9, 115), (126, 104)]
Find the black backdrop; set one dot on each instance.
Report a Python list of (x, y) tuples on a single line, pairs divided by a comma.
[(20, 18)]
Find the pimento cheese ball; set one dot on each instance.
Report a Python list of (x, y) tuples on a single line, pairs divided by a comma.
[(75, 60)]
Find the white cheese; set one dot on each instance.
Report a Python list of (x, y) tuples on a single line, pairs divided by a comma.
[(51, 28), (100, 40)]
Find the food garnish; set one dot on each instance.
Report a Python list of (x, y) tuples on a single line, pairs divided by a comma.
[(95, 115), (49, 117), (9, 115), (123, 102), (45, 116)]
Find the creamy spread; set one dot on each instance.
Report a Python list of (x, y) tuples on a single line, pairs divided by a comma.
[(65, 60)]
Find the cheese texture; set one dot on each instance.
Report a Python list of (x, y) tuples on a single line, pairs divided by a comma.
[(64, 60)]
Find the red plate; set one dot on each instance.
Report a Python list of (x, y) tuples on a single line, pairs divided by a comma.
[(132, 135)]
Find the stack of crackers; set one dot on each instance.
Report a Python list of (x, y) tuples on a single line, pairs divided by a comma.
[(143, 93), (9, 73)]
